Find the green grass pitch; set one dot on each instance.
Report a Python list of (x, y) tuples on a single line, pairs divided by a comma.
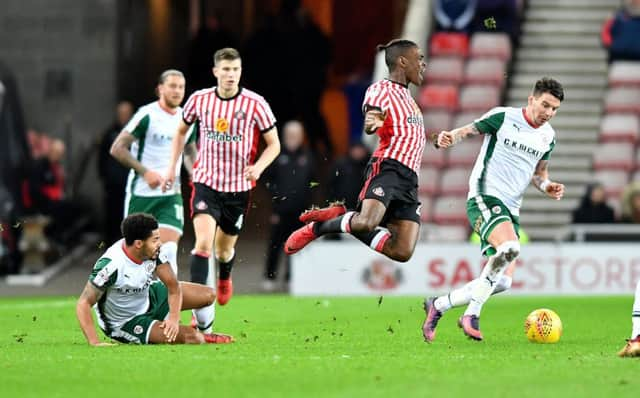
[(327, 347)]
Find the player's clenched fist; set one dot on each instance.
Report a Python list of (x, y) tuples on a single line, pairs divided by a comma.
[(373, 120), (445, 139)]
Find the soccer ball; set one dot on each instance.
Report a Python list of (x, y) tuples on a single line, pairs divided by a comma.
[(543, 326)]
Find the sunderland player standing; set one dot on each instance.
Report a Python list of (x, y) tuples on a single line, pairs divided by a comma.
[(230, 121), (144, 145), (388, 219), (516, 150)]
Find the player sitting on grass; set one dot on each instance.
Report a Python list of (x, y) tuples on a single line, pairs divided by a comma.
[(133, 307)]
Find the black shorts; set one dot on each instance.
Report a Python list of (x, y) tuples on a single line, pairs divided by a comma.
[(227, 208), (396, 186)]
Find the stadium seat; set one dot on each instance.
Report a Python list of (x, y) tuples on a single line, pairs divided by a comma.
[(433, 157), (455, 181), (622, 99), (624, 73), (485, 71), (490, 45), (464, 153), (613, 181), (436, 121), (449, 43), (478, 98), (620, 127), (614, 156), (464, 118), (450, 210), (426, 203), (445, 70), (429, 181), (444, 233), (438, 96)]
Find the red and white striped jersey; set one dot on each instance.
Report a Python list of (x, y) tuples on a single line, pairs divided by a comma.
[(402, 136), (229, 132)]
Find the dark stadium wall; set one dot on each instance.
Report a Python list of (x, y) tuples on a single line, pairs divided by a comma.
[(63, 56)]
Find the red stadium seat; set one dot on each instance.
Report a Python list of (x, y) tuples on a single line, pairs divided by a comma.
[(436, 121), (455, 181), (624, 73), (614, 156), (429, 180), (464, 153), (449, 43), (445, 70), (450, 210), (490, 45), (613, 181), (433, 157), (620, 127), (485, 71), (445, 233), (426, 204), (479, 98), (464, 118), (622, 99), (438, 96)]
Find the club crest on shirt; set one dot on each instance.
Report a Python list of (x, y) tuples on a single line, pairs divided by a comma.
[(201, 205), (478, 224), (496, 210), (137, 329), (240, 115), (222, 125), (378, 191)]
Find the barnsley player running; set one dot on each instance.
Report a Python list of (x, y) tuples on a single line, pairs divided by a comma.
[(133, 307), (389, 196), (230, 120), (515, 152), (632, 348), (144, 145)]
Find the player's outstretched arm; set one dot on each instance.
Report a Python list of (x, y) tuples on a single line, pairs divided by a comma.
[(447, 139), (171, 325), (271, 151), (541, 181), (90, 295), (177, 145)]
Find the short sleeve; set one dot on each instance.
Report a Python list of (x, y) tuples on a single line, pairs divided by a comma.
[(192, 133), (138, 124), (104, 273), (548, 153), (376, 97), (490, 124), (265, 120), (189, 114)]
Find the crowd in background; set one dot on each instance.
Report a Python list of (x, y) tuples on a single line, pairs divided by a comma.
[(293, 82)]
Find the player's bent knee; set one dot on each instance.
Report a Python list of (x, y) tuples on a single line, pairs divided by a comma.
[(510, 249), (209, 296), (401, 255)]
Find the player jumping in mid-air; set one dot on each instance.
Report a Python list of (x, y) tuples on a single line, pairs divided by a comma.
[(632, 348), (515, 152), (230, 122), (133, 307), (388, 216)]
